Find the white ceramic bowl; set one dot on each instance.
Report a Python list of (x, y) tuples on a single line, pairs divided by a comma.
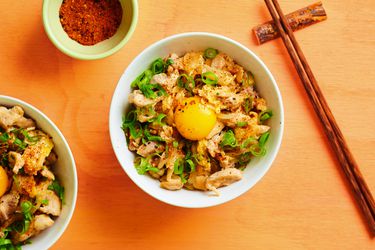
[(65, 170), (180, 44)]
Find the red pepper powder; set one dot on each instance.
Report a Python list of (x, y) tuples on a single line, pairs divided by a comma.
[(90, 21)]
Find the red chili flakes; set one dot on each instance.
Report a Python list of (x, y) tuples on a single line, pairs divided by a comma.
[(90, 21)]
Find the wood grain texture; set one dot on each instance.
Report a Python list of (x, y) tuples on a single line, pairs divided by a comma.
[(303, 201)]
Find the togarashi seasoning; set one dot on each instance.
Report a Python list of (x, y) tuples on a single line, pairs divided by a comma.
[(90, 21)]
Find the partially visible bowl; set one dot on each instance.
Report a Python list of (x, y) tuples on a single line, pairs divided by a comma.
[(65, 170), (180, 44), (63, 42)]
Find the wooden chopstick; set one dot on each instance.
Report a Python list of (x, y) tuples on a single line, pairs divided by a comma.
[(356, 181)]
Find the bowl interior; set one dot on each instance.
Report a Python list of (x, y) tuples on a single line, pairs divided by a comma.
[(65, 171), (181, 44), (107, 47)]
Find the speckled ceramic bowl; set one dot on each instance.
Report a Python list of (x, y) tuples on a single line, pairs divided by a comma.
[(180, 44), (103, 49)]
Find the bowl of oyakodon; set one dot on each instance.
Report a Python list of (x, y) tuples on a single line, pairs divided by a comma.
[(196, 120)]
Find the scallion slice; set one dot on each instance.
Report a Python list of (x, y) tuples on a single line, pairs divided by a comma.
[(263, 139), (265, 115), (210, 53), (185, 81), (158, 66), (209, 78)]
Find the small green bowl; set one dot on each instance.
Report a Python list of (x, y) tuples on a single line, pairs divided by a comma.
[(100, 50)]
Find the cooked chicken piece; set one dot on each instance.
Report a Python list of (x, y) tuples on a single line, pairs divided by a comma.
[(8, 204), (252, 130), (140, 100), (47, 173), (232, 119), (16, 160), (223, 177), (239, 72), (213, 144), (227, 161), (198, 181), (217, 129), (54, 204), (35, 155), (174, 183), (167, 82), (14, 117), (260, 104), (133, 144), (24, 185), (222, 97), (38, 224), (193, 63), (167, 133), (157, 175), (174, 154), (149, 148), (223, 62), (42, 222), (224, 77)]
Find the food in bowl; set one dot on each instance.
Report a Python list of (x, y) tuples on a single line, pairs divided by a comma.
[(31, 197), (90, 21), (195, 121)]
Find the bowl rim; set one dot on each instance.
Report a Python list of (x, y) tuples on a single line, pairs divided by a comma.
[(82, 56), (272, 155), (66, 222)]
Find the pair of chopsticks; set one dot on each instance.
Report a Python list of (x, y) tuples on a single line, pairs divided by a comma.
[(335, 137)]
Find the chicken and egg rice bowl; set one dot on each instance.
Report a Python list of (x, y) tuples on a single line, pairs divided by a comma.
[(195, 121), (30, 195)]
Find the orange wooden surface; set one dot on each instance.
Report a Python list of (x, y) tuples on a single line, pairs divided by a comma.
[(302, 203)]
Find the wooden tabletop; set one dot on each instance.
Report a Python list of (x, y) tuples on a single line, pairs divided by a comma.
[(302, 203)]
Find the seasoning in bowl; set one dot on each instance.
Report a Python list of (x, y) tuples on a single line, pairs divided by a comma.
[(90, 21)]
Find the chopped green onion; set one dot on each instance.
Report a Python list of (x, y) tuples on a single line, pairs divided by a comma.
[(143, 78), (191, 165), (244, 158), (130, 122), (175, 144), (246, 142), (263, 139), (248, 105), (183, 179), (144, 166), (59, 190), (228, 139), (249, 79), (241, 124), (22, 145), (265, 115), (158, 66), (256, 150), (4, 137), (26, 208), (210, 53), (178, 167), (185, 81), (209, 78), (169, 61), (151, 137), (158, 119), (44, 202)]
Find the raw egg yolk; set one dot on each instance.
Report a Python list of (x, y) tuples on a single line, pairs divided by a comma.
[(194, 120), (3, 181)]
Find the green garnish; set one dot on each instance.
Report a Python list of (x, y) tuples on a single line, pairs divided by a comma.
[(209, 78), (59, 190), (158, 119), (210, 53), (191, 165), (130, 122), (148, 89), (263, 139), (44, 202), (21, 144), (169, 61), (178, 167), (248, 104), (241, 124), (229, 139), (4, 137), (185, 81), (249, 79), (175, 144), (26, 208), (144, 166), (158, 66), (244, 158), (256, 150), (265, 115), (151, 137), (246, 142)]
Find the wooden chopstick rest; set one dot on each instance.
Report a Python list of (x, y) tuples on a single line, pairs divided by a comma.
[(297, 20)]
